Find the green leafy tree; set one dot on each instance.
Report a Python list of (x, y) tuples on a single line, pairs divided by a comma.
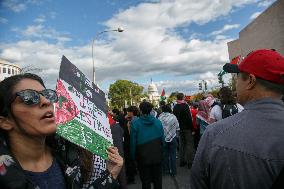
[(197, 96), (124, 90), (215, 92), (172, 97)]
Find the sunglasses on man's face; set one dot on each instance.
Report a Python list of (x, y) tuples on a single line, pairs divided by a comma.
[(30, 97)]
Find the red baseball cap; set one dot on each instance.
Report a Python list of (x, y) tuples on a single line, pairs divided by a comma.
[(264, 63)]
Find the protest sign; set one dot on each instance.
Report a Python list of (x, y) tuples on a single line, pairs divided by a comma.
[(81, 113)]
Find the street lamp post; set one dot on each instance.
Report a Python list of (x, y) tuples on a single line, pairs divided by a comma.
[(96, 36), (130, 96)]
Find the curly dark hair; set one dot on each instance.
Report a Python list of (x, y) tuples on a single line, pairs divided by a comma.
[(167, 108), (226, 96), (145, 108), (180, 96), (134, 110)]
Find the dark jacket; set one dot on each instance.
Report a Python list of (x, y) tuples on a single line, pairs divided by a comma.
[(117, 136), (146, 140), (66, 154), (182, 112), (279, 182), (243, 151)]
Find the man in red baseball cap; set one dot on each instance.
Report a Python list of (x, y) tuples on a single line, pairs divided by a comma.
[(262, 67), (265, 64), (246, 150)]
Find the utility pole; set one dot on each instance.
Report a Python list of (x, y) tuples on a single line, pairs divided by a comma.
[(220, 77)]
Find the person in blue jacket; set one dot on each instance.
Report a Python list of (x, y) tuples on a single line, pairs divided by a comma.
[(146, 143)]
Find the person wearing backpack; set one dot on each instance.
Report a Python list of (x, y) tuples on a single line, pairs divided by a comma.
[(226, 108)]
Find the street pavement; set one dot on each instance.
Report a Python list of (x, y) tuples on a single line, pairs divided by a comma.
[(180, 181)]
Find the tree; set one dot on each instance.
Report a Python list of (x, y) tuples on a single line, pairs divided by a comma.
[(215, 92), (125, 91), (30, 69), (197, 96), (172, 97)]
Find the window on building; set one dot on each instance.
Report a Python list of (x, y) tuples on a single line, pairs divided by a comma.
[(9, 71), (4, 70), (13, 71)]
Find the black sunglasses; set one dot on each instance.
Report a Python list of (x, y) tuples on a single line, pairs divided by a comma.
[(30, 97)]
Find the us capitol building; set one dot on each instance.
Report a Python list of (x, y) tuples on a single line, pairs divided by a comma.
[(153, 93)]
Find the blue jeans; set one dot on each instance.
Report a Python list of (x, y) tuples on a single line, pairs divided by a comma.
[(169, 160)]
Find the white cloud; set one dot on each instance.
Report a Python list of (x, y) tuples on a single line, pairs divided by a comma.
[(170, 14), (149, 46), (254, 15), (265, 3), (14, 5), (19, 5), (3, 20), (189, 86), (225, 28), (40, 31), (195, 60), (40, 19)]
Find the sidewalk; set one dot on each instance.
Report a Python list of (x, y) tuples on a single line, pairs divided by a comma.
[(180, 181)]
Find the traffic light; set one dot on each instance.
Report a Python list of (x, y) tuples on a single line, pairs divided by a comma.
[(200, 86), (220, 79), (205, 86)]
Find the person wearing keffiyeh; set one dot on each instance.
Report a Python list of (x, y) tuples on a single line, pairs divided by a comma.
[(202, 117), (170, 126)]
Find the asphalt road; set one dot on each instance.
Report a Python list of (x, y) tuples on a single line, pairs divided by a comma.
[(180, 181)]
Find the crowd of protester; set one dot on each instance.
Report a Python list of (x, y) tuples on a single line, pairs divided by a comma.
[(227, 141)]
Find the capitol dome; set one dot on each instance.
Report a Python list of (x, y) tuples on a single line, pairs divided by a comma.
[(153, 93), (152, 88)]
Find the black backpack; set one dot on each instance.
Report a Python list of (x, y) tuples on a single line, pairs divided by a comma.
[(228, 110)]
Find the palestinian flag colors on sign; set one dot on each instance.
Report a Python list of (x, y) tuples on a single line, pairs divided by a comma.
[(81, 113)]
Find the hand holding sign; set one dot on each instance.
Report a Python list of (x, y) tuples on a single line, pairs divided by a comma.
[(115, 162), (81, 113)]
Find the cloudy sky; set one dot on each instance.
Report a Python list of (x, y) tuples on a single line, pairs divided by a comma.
[(177, 43)]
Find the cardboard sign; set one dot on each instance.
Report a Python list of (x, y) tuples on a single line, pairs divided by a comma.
[(81, 113)]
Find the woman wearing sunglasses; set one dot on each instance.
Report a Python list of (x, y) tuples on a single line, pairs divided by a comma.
[(31, 155)]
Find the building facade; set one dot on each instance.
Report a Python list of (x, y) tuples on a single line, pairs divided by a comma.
[(7, 69), (265, 31), (153, 94)]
